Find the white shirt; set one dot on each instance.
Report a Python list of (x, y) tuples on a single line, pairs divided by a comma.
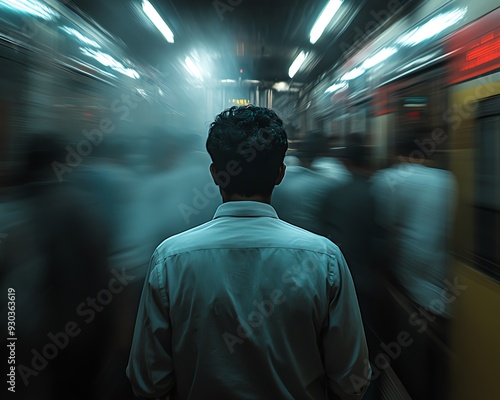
[(299, 196), (248, 306), (416, 205)]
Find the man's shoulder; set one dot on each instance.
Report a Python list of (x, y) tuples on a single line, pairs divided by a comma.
[(279, 234), (188, 238), (305, 239)]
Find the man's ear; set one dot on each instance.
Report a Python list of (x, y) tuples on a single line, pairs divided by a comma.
[(213, 172), (281, 175)]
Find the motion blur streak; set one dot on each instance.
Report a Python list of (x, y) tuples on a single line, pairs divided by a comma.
[(391, 109)]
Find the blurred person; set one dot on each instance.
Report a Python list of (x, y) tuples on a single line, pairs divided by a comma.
[(105, 173), (292, 161), (347, 216), (179, 194), (246, 305), (316, 155), (298, 198), (331, 167), (160, 206), (119, 190), (415, 206), (55, 258)]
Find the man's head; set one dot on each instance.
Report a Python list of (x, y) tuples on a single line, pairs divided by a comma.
[(247, 146), (406, 142), (315, 143), (408, 145), (356, 153)]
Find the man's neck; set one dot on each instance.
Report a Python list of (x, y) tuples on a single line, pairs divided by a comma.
[(413, 161), (237, 197)]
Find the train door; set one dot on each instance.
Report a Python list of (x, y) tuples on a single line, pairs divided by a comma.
[(419, 105), (487, 186), (382, 130), (358, 119), (382, 126)]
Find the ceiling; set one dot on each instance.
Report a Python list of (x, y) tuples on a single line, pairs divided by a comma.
[(259, 37)]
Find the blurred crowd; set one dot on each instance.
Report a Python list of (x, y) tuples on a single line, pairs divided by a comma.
[(78, 235), (77, 239)]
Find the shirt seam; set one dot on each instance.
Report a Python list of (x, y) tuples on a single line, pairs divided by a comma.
[(334, 256), (161, 288)]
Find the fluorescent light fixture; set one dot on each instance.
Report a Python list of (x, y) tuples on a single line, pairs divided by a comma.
[(353, 73), (80, 37), (108, 61), (32, 7), (192, 68), (297, 64), (228, 81), (336, 87), (432, 27), (281, 86), (324, 19), (382, 55), (156, 19)]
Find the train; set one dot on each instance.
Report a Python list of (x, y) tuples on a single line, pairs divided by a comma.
[(436, 70), (61, 72)]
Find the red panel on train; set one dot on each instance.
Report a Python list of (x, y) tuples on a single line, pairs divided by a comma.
[(477, 56)]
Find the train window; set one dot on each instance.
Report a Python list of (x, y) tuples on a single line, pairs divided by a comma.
[(338, 130), (420, 104), (358, 121), (487, 186)]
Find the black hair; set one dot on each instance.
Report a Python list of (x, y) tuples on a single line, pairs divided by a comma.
[(247, 145), (314, 144), (355, 151)]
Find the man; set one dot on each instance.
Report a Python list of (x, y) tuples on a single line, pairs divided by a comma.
[(247, 306), (414, 209), (347, 214), (54, 255), (298, 198)]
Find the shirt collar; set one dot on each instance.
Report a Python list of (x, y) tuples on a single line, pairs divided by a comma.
[(245, 209)]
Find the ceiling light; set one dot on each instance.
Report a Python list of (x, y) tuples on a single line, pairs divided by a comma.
[(382, 55), (32, 7), (80, 37), (336, 87), (281, 86), (297, 64), (109, 61), (192, 68), (353, 73), (432, 27), (324, 19), (155, 18)]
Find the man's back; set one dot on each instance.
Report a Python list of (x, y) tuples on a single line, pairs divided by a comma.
[(254, 308), (415, 203), (347, 213), (299, 196)]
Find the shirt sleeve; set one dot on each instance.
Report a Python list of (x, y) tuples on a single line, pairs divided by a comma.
[(343, 337), (150, 367)]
